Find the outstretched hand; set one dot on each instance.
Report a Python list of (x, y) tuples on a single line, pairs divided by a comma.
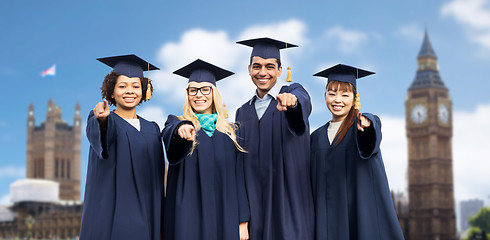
[(362, 122), (285, 100), (187, 132), (243, 229), (101, 110)]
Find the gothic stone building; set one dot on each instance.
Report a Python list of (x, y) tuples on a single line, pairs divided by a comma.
[(53, 150), (53, 155), (430, 213)]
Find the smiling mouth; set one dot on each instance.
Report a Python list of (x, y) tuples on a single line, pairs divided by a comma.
[(337, 108), (200, 102), (263, 80), (129, 99)]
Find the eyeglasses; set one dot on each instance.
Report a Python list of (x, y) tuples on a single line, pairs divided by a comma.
[(192, 91)]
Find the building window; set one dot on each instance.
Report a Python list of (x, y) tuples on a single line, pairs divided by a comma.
[(56, 163), (68, 170), (38, 168), (62, 168), (41, 168), (35, 168)]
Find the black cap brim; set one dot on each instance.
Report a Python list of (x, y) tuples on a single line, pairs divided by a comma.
[(128, 65), (201, 71)]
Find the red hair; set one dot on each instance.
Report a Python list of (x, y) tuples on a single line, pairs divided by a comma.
[(351, 116)]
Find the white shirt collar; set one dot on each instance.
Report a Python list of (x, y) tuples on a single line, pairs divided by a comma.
[(273, 92)]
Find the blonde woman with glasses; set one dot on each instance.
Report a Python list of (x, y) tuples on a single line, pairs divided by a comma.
[(206, 196)]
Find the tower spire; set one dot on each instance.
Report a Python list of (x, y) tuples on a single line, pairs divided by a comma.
[(427, 71), (426, 51), (429, 136)]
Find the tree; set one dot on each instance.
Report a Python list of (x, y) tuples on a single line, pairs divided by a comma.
[(476, 234), (481, 219)]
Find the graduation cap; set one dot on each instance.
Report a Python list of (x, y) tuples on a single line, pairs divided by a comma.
[(343, 73), (130, 66), (201, 71), (266, 47)]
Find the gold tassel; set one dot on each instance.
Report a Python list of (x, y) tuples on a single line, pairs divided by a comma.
[(289, 78), (148, 91), (357, 105), (226, 112), (148, 87)]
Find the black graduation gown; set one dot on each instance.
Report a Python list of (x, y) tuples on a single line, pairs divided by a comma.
[(277, 168), (206, 196), (124, 188), (350, 187)]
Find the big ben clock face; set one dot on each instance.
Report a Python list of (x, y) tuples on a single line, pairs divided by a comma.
[(443, 113), (418, 114)]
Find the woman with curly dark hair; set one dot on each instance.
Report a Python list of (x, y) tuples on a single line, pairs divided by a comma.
[(124, 188)]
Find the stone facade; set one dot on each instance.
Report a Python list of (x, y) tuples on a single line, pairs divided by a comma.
[(53, 153), (428, 106), (60, 220), (53, 150)]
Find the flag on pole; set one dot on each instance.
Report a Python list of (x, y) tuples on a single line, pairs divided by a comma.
[(50, 71)]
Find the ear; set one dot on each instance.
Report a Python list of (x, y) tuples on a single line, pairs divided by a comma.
[(279, 71), (249, 70)]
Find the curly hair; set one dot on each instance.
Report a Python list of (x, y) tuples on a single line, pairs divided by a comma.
[(110, 80)]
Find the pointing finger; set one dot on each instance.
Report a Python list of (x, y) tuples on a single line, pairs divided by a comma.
[(280, 99), (359, 122)]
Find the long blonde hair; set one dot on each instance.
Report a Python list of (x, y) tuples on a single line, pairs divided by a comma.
[(222, 124)]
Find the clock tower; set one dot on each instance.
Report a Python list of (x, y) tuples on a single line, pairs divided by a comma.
[(430, 170)]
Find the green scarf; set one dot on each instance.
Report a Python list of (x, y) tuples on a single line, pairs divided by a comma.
[(208, 122)]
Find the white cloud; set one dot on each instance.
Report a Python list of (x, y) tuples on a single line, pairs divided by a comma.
[(412, 31), (12, 172), (349, 41), (218, 48), (483, 39), (475, 15), (292, 31), (4, 200), (236, 90), (471, 152), (394, 151), (318, 105), (214, 47), (153, 113)]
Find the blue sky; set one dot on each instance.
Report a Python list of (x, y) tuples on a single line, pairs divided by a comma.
[(382, 36)]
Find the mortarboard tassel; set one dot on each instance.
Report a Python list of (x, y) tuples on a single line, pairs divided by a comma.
[(148, 87), (148, 91), (357, 105), (289, 78), (226, 112)]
